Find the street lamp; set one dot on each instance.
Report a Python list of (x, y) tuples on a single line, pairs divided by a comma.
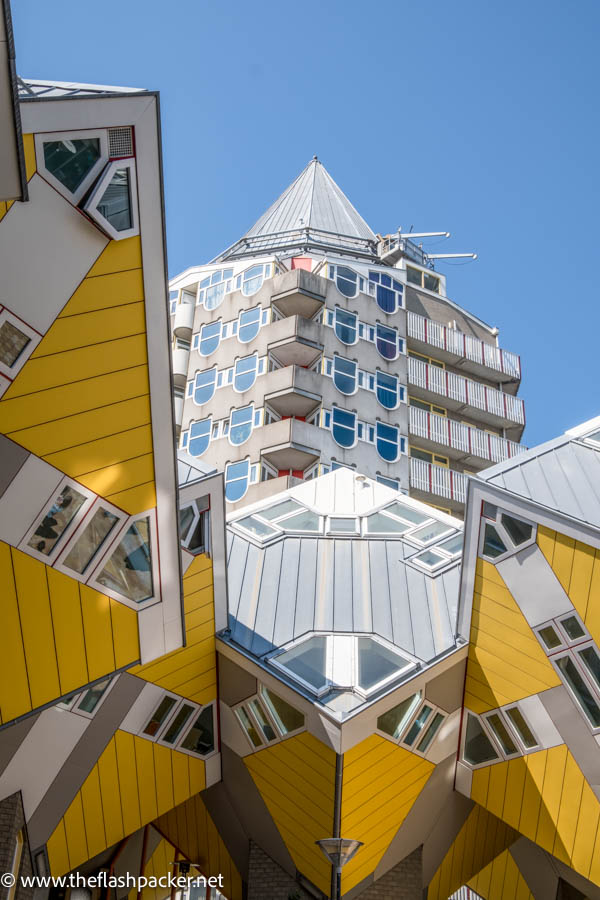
[(338, 851)]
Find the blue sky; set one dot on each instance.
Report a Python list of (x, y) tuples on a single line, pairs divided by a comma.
[(476, 118)]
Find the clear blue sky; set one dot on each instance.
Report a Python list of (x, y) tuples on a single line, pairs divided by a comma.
[(475, 117)]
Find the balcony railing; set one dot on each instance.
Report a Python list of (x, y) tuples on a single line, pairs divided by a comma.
[(464, 391), (459, 436), (456, 342), (432, 479)]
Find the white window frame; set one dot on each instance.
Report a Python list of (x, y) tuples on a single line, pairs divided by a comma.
[(102, 549), (198, 513), (503, 534), (487, 731), (355, 519), (245, 704), (71, 528), (513, 730), (95, 573), (91, 206), (352, 664), (155, 737), (178, 746), (34, 338), (46, 137), (73, 706), (399, 741)]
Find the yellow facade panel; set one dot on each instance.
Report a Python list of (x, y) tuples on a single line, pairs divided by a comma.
[(57, 403), (146, 777), (128, 782), (104, 291), (93, 814), (29, 153), (164, 778), (69, 332), (67, 620), (120, 477), (481, 839), (57, 850), (301, 812), (181, 778), (501, 880), (75, 833), (110, 791), (81, 364), (118, 256), (126, 644), (97, 626), (85, 428), (36, 626), (135, 499), (15, 697)]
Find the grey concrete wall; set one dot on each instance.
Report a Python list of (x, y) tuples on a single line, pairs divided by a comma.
[(268, 881)]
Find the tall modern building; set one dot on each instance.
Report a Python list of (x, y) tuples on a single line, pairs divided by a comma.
[(313, 343)]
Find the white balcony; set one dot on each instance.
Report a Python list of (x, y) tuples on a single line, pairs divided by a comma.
[(463, 441), (431, 479), (184, 320), (180, 362), (463, 349), (496, 407)]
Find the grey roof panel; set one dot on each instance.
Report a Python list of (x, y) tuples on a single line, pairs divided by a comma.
[(313, 200), (288, 588), (324, 586), (249, 597), (304, 619), (402, 629), (380, 590), (419, 613), (562, 475), (362, 612), (342, 597), (266, 584)]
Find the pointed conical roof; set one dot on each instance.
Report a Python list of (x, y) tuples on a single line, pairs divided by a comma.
[(313, 200), (312, 212)]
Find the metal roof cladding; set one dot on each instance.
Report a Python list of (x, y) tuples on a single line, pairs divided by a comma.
[(313, 200), (562, 475), (299, 584), (312, 213)]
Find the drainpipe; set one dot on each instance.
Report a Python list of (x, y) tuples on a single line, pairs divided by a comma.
[(336, 871)]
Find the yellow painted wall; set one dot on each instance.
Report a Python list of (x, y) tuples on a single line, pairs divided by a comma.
[(159, 865), (501, 880), (296, 780), (81, 401), (546, 797), (380, 784), (133, 782), (480, 840), (191, 829), (506, 662), (577, 567), (57, 634), (191, 670)]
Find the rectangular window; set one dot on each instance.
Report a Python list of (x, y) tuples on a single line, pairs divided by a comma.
[(60, 517), (159, 716), (96, 531)]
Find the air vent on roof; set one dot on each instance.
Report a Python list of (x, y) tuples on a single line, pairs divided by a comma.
[(120, 142)]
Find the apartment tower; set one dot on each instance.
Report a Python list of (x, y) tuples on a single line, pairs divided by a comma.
[(313, 343)]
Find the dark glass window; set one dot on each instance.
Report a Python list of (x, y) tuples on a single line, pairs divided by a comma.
[(71, 160)]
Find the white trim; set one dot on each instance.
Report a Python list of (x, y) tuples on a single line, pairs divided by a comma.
[(45, 137), (102, 548), (34, 338), (91, 206), (150, 514), (48, 558)]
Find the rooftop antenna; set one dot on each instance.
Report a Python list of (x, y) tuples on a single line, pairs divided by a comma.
[(452, 255)]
